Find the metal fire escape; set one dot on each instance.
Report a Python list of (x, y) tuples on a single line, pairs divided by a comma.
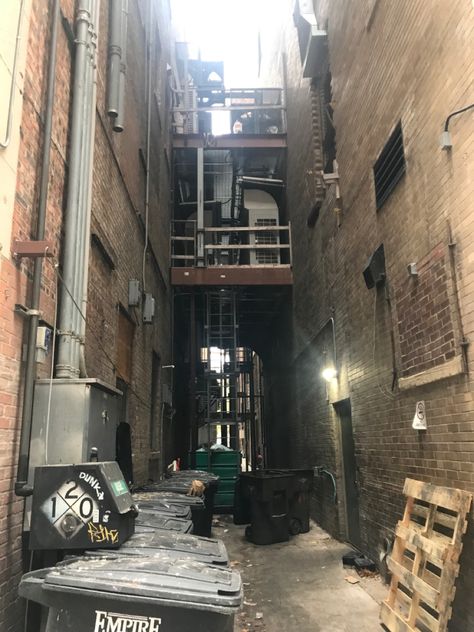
[(230, 246)]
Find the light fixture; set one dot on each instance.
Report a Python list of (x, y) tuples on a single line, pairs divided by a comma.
[(329, 373)]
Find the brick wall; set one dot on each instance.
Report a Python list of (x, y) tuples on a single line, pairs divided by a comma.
[(117, 223), (389, 62)]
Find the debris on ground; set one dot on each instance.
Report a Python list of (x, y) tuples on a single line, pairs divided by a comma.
[(351, 579)]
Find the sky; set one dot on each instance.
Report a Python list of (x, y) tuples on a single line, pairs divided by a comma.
[(226, 30)]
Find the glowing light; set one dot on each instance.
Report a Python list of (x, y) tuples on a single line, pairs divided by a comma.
[(329, 373)]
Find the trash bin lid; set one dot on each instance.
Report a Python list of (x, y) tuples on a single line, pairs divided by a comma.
[(177, 485), (177, 498), (157, 520), (178, 510), (179, 543), (187, 582)]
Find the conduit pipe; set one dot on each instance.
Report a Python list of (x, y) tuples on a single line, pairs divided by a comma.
[(76, 215), (6, 141), (21, 487), (148, 138)]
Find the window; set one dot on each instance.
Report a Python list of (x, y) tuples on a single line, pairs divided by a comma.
[(389, 167)]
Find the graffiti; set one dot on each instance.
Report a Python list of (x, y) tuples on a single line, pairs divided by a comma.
[(100, 534)]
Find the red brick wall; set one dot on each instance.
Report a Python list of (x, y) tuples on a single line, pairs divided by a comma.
[(411, 62), (117, 207)]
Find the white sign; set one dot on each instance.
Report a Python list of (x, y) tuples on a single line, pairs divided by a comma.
[(419, 420), (113, 622), (70, 508)]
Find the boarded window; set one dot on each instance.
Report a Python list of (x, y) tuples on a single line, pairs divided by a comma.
[(125, 333), (389, 167)]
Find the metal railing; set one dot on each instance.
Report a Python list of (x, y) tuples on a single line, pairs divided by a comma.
[(250, 110), (268, 246)]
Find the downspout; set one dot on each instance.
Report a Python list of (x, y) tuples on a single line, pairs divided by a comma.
[(115, 57), (88, 210), (21, 488), (120, 118), (67, 342), (6, 141), (80, 263)]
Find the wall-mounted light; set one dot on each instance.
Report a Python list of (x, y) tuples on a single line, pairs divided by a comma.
[(329, 373)]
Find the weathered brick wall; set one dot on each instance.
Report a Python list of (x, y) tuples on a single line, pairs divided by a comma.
[(389, 61), (118, 220)]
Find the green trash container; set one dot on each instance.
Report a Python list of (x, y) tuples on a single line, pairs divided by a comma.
[(269, 496)]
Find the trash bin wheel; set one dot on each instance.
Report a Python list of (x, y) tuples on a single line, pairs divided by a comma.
[(248, 532), (295, 526)]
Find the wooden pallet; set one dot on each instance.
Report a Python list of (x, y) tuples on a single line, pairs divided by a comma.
[(425, 559)]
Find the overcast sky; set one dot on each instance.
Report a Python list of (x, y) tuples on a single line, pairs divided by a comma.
[(226, 30)]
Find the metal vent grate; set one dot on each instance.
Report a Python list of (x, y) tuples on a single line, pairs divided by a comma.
[(389, 167)]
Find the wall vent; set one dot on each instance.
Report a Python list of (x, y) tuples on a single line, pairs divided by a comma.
[(389, 167)]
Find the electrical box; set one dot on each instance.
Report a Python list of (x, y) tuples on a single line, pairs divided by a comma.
[(43, 343), (148, 309), (82, 506), (77, 425), (134, 293)]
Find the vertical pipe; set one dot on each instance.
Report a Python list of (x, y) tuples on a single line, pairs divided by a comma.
[(79, 261), (148, 137), (64, 365), (115, 56), (200, 206), (119, 119), (89, 189), (6, 140), (30, 370), (192, 371)]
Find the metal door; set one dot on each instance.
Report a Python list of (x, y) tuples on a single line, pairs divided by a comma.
[(343, 410)]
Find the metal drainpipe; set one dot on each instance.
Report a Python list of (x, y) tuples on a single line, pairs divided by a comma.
[(82, 328), (67, 340), (115, 57), (6, 141), (119, 120), (79, 261), (21, 488)]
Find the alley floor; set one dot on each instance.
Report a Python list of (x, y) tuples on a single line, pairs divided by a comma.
[(300, 585)]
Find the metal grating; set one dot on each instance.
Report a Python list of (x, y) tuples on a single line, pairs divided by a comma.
[(266, 256), (389, 167)]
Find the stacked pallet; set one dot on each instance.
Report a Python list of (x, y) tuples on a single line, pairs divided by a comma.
[(425, 559)]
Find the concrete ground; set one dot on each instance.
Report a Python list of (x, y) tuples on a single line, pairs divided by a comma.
[(300, 585)]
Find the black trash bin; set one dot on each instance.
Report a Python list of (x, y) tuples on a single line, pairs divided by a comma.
[(149, 519), (301, 489), (135, 594), (241, 511), (269, 495), (146, 500), (299, 498), (203, 522), (173, 544), (210, 480)]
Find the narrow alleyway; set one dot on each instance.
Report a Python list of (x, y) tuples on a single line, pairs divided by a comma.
[(300, 585)]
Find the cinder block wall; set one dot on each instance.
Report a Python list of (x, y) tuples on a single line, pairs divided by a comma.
[(411, 62), (118, 221)]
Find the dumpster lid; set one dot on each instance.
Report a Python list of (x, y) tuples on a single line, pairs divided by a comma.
[(180, 580)]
